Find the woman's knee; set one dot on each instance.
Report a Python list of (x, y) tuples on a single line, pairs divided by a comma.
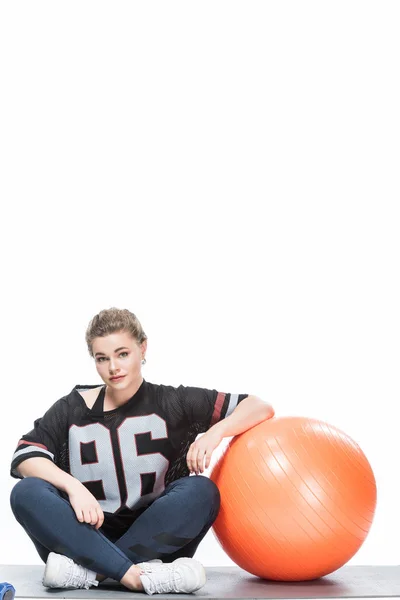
[(206, 487), (203, 490), (25, 490), (207, 496)]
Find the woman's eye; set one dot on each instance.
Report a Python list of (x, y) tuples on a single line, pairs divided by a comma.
[(101, 358)]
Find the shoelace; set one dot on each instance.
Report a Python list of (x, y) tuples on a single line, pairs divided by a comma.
[(76, 576), (157, 578)]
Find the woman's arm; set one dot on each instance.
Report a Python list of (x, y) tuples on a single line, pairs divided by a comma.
[(85, 505), (46, 469)]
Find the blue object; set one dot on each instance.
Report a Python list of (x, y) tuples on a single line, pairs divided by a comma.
[(7, 591)]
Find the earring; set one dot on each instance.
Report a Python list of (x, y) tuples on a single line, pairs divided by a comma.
[(144, 361)]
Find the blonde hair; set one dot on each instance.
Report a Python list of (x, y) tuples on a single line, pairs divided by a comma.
[(113, 320)]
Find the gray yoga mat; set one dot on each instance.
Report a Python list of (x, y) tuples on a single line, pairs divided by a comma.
[(227, 582)]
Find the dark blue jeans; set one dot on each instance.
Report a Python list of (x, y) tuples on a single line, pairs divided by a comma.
[(171, 527)]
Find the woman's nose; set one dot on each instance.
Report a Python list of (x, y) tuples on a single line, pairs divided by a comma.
[(112, 365)]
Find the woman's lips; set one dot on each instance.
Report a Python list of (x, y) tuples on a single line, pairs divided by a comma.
[(117, 378)]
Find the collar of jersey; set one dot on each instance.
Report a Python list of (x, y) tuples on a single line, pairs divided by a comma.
[(136, 396)]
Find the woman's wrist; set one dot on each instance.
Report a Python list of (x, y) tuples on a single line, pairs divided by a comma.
[(71, 484)]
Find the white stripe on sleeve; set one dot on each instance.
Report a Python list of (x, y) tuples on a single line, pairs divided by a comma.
[(32, 449), (232, 404)]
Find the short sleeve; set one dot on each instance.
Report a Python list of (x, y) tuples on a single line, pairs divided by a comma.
[(206, 407), (45, 439)]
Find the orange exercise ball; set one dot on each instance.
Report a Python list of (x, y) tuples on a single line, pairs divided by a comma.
[(298, 498)]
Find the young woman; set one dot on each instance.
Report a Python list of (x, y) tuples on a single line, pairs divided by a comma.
[(105, 486)]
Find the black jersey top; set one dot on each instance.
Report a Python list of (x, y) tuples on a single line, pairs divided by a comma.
[(126, 456)]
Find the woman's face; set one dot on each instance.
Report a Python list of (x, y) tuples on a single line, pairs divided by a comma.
[(118, 354)]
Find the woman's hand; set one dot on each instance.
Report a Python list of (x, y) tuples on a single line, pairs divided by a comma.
[(203, 448), (85, 505)]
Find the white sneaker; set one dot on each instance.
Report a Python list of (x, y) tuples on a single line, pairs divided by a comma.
[(63, 572), (183, 576)]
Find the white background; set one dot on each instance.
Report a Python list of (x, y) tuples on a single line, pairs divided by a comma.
[(229, 172)]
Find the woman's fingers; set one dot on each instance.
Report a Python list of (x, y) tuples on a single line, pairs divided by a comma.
[(100, 519), (89, 516)]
